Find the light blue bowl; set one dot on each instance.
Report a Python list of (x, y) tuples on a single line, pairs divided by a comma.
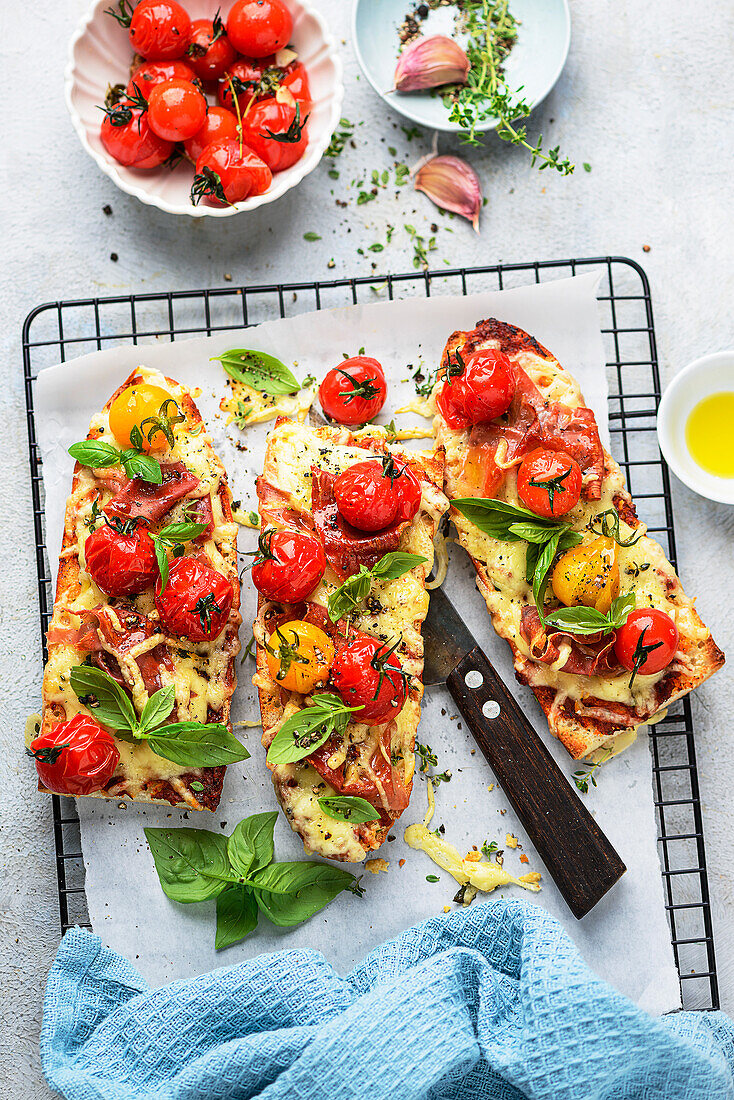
[(535, 61)]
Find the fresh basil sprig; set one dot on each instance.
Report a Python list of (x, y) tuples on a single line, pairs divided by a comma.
[(172, 538), (349, 808), (100, 455), (587, 620), (194, 744), (308, 729), (545, 537), (195, 865), (259, 371), (348, 596)]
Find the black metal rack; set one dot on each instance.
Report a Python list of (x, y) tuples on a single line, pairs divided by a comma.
[(56, 331)]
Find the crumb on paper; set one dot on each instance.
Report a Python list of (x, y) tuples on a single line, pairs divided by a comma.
[(374, 866), (510, 840), (473, 857), (401, 863), (490, 787), (447, 908), (524, 859)]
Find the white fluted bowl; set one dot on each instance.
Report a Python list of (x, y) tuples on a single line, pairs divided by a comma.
[(100, 54)]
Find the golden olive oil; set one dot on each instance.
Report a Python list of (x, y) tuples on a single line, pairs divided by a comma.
[(710, 434)]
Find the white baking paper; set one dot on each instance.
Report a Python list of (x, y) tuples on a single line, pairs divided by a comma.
[(625, 939)]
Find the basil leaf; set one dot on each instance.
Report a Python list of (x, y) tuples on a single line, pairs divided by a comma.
[(237, 915), (260, 371), (308, 729), (192, 864), (560, 540), (158, 707), (95, 453), (496, 517), (197, 744), (181, 532), (290, 893), (579, 620), (532, 552), (530, 532), (392, 566), (350, 808), (162, 558), (137, 465), (621, 608), (347, 597), (250, 847), (114, 708)]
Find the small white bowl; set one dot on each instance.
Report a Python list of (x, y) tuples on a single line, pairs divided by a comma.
[(701, 378), (100, 54)]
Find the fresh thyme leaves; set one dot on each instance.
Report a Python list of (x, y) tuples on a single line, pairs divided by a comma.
[(608, 525), (196, 744), (587, 620), (239, 871), (490, 848), (308, 729), (259, 371), (100, 455), (311, 236), (423, 384), (339, 139), (421, 247), (349, 808), (583, 778), (426, 755), (492, 31)]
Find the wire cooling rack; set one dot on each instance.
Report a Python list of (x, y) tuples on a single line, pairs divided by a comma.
[(57, 331)]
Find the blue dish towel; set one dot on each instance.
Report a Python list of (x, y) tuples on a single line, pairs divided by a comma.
[(489, 1003)]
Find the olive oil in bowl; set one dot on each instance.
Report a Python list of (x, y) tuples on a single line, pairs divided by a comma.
[(710, 434)]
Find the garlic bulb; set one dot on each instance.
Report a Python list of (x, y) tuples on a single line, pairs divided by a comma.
[(452, 184), (429, 63)]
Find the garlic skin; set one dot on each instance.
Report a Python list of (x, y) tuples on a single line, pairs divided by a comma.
[(452, 184), (429, 63)]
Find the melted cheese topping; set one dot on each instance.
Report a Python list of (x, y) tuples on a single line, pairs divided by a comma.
[(482, 875), (249, 406), (200, 669)]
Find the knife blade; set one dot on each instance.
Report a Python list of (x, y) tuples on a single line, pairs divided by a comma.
[(581, 860)]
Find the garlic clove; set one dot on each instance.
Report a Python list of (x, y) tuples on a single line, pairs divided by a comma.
[(452, 184), (429, 63)]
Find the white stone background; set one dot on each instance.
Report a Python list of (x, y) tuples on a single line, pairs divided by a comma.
[(645, 98)]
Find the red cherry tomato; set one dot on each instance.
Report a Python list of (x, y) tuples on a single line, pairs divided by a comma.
[(276, 132), (150, 73), (176, 110), (288, 566), (373, 495), (257, 28), (196, 601), (482, 391), (133, 143), (367, 674), (224, 175), (355, 391), (218, 124), (647, 641), (296, 81), (120, 558), (75, 757), (549, 482), (245, 73), (159, 30), (210, 53)]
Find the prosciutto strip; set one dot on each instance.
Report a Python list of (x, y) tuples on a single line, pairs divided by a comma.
[(346, 548), (276, 508), (587, 657), (143, 500)]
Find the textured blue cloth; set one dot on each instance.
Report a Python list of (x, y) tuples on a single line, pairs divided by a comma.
[(489, 1002)]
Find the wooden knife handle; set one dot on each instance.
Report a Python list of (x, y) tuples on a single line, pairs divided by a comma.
[(581, 860)]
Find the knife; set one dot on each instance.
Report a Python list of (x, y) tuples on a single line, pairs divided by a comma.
[(581, 860)]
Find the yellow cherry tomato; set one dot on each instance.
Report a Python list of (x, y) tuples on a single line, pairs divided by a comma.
[(299, 656), (588, 575), (151, 409)]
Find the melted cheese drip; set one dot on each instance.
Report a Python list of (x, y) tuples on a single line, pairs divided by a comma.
[(250, 406), (482, 875)]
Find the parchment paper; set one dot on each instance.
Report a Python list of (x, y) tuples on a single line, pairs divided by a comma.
[(625, 939)]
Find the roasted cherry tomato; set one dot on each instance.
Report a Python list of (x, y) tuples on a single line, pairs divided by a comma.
[(75, 757), (176, 110), (647, 642), (196, 601), (295, 79), (245, 74), (276, 132), (479, 387), (120, 557), (355, 391), (376, 494), (133, 143), (218, 124), (367, 674), (299, 656), (150, 73), (159, 30), (549, 482), (151, 410), (288, 565), (257, 28), (227, 173), (588, 574), (210, 53)]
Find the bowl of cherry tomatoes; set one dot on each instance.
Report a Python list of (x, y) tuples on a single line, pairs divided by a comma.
[(200, 109)]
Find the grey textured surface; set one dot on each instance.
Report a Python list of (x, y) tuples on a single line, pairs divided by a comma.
[(646, 99)]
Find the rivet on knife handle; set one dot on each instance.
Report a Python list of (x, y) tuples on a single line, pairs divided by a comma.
[(583, 863)]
